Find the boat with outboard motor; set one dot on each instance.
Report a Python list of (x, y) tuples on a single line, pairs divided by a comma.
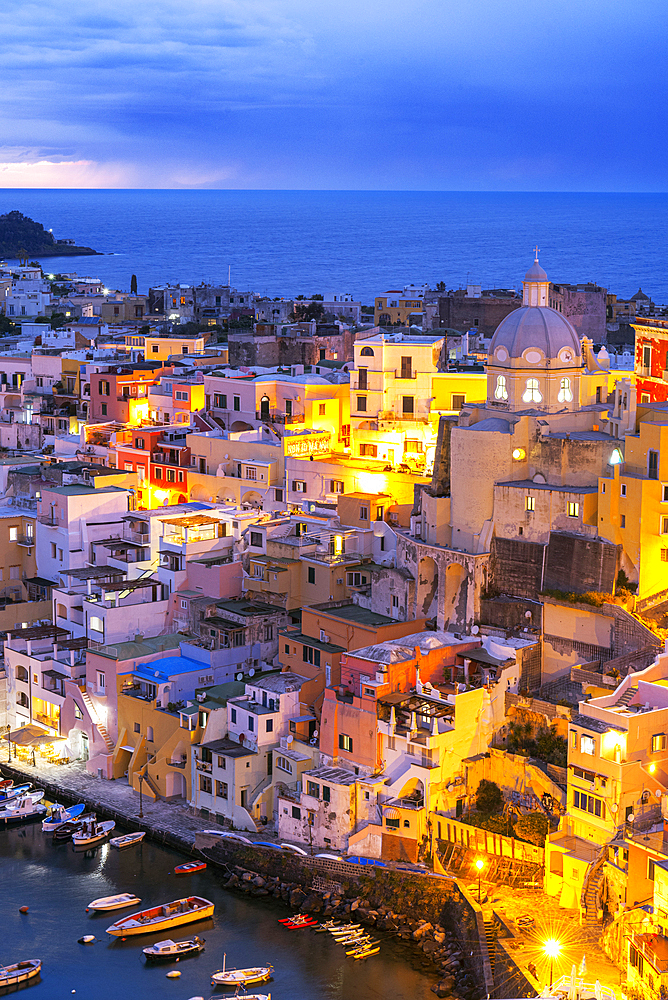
[(241, 977), (172, 951), (19, 972), (92, 833), (23, 809), (128, 839), (118, 902)]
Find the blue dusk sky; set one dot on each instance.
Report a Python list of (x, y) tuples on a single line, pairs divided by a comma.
[(521, 95)]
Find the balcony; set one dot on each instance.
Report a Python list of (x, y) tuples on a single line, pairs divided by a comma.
[(49, 520), (26, 540)]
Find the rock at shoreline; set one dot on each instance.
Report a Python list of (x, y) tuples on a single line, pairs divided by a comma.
[(23, 237)]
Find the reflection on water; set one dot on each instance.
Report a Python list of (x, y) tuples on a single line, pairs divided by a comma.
[(57, 884)]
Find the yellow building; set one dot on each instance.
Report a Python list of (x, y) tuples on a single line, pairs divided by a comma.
[(398, 307), (162, 348), (18, 555)]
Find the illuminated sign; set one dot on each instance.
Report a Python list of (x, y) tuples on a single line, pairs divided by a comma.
[(306, 445)]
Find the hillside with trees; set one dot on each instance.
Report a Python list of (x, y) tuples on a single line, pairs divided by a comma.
[(23, 237)]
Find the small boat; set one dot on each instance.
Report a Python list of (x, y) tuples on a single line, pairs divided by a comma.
[(167, 951), (13, 791), (239, 977), (25, 796), (366, 952), (118, 902), (363, 943), (65, 830), (128, 839), (345, 929), (190, 868), (158, 918), (299, 923), (60, 815), (92, 833), (20, 972), (22, 810)]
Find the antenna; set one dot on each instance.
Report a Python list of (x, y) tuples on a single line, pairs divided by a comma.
[(229, 275)]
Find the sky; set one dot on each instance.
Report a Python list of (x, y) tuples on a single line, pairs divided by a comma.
[(513, 95)]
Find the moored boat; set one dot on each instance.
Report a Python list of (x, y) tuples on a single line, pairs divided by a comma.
[(190, 868), (174, 914), (22, 810), (299, 923), (92, 833), (241, 977), (118, 902), (65, 830), (20, 972), (12, 791), (170, 951), (128, 839), (60, 815)]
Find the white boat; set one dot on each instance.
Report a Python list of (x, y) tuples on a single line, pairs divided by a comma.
[(92, 833), (25, 796), (118, 902), (167, 951), (12, 791), (60, 815), (20, 972), (240, 977), (128, 839), (23, 809), (159, 918)]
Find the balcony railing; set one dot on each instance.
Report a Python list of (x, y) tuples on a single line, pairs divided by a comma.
[(203, 765), (27, 540)]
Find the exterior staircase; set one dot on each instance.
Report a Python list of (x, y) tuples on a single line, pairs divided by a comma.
[(102, 730), (625, 698), (490, 934), (590, 889), (150, 782)]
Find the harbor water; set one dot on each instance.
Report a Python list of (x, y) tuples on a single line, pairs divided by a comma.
[(56, 884)]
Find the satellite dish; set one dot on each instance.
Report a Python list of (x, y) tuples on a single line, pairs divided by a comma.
[(315, 734), (630, 818), (240, 677), (527, 614), (658, 793), (290, 739), (251, 672), (475, 630)]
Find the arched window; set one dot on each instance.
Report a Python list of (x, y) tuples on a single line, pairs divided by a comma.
[(366, 352), (61, 611), (565, 394), (284, 764), (532, 393), (501, 391)]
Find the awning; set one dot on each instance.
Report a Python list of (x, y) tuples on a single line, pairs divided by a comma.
[(30, 735), (55, 673), (391, 813)]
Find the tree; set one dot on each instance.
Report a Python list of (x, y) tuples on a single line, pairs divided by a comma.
[(440, 287), (488, 798), (6, 325), (304, 314), (533, 827), (133, 285)]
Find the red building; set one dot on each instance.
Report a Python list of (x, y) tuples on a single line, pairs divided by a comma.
[(121, 394), (160, 458), (651, 363)]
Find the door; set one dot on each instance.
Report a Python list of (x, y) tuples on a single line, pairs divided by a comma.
[(390, 456), (264, 408), (84, 746), (244, 798)]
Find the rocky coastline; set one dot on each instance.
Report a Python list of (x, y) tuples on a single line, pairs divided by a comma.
[(433, 945)]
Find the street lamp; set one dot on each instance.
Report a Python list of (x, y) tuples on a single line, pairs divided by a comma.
[(480, 864), (552, 950), (141, 809)]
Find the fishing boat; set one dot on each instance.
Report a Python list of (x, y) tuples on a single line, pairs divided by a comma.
[(12, 791), (128, 839), (190, 868), (241, 977), (23, 796), (172, 951), (65, 831), (92, 833), (117, 902), (20, 972), (60, 815), (158, 918), (24, 809)]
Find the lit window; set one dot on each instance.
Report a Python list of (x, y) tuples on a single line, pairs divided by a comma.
[(530, 503), (565, 394), (622, 489), (532, 393), (345, 743), (659, 743), (588, 745), (501, 391), (573, 509)]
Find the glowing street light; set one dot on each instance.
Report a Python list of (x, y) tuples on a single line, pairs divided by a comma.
[(552, 950), (480, 864)]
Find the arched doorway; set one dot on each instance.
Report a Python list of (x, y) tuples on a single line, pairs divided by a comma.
[(182, 498), (175, 785), (264, 408), (199, 492), (427, 588)]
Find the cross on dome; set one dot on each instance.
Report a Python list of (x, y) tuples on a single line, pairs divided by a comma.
[(536, 251)]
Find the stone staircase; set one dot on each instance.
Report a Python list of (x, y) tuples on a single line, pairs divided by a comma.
[(625, 698), (491, 935), (589, 891), (102, 730)]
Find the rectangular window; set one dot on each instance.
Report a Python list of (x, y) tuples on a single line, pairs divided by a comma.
[(321, 409), (659, 742), (530, 503), (311, 655), (287, 648), (222, 763), (646, 356), (335, 486), (406, 368), (251, 472), (237, 402), (653, 464), (256, 539), (298, 486), (361, 404), (664, 555), (311, 574), (251, 724), (170, 476), (205, 783), (364, 513), (622, 489), (458, 401), (278, 496), (573, 509), (622, 520), (296, 812), (588, 745), (104, 409), (326, 793), (368, 450), (395, 601), (233, 715), (664, 496), (362, 380), (345, 743), (407, 405), (269, 726), (221, 789), (158, 472), (313, 789), (664, 525), (650, 869), (13, 534)]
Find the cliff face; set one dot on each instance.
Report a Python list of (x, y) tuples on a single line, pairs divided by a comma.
[(21, 236)]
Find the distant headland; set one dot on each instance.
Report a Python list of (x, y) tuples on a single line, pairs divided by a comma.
[(22, 237)]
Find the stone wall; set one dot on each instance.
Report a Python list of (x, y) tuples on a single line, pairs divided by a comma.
[(577, 564), (516, 567)]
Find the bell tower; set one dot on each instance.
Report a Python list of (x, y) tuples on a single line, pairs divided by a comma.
[(535, 284)]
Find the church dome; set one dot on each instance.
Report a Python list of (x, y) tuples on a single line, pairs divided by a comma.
[(534, 335), (535, 273)]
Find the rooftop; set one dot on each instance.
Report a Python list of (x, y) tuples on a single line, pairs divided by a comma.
[(335, 775), (398, 650), (228, 748), (140, 647), (354, 613)]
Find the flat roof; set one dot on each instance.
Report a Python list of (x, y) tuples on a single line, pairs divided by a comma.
[(81, 490), (354, 613), (228, 748)]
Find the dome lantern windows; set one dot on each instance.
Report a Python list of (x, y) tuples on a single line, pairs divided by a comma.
[(565, 394), (501, 390), (532, 393)]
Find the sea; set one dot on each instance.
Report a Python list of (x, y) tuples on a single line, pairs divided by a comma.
[(56, 883), (287, 243)]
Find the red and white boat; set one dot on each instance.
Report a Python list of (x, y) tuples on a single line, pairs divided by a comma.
[(190, 868)]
